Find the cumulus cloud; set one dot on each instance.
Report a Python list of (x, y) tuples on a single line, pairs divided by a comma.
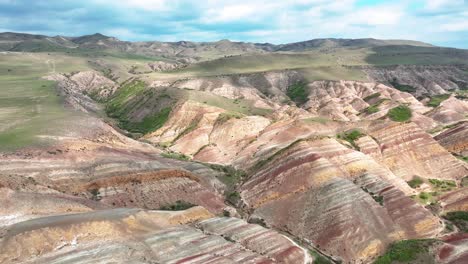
[(440, 22)]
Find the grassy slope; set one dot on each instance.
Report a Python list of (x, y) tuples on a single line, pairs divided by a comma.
[(29, 105)]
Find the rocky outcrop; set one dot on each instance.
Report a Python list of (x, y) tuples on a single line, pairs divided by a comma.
[(456, 200), (118, 179), (454, 139), (450, 111), (80, 90), (138, 236), (351, 100), (320, 192), (253, 86), (453, 249), (425, 79), (408, 151), (160, 66)]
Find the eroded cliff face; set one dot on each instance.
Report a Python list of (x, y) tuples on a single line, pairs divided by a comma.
[(339, 199), (425, 79), (408, 151), (139, 236)]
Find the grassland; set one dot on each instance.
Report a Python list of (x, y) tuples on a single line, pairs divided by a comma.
[(29, 105)]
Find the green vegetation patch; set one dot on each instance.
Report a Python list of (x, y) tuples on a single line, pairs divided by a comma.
[(175, 155), (132, 95), (442, 185), (400, 113), (426, 197), (374, 108), (148, 124), (319, 259), (177, 206), (224, 117), (402, 87), (415, 182), (436, 100), (406, 251), (372, 96), (115, 106), (193, 125), (458, 218), (231, 176), (351, 136), (464, 181), (463, 158), (318, 119), (298, 92), (233, 197)]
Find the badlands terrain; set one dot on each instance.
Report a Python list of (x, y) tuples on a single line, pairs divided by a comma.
[(323, 151)]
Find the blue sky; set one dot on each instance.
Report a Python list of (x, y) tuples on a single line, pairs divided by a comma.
[(440, 22)]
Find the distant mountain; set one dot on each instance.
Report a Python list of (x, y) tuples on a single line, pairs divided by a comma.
[(34, 43), (340, 43)]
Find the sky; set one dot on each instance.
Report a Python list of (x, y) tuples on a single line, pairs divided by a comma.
[(439, 22)]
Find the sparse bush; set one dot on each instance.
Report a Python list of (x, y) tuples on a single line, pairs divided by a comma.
[(442, 185), (175, 155), (224, 117)]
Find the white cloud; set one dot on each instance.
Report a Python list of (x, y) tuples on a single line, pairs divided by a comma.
[(455, 26), (230, 13), (438, 4), (147, 5), (373, 16)]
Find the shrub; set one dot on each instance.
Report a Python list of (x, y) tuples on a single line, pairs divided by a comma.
[(402, 87), (351, 136), (233, 197), (224, 117), (177, 206), (464, 181), (400, 113), (372, 96), (424, 195), (372, 109), (298, 93), (442, 185), (231, 177), (459, 218), (415, 182), (175, 155)]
